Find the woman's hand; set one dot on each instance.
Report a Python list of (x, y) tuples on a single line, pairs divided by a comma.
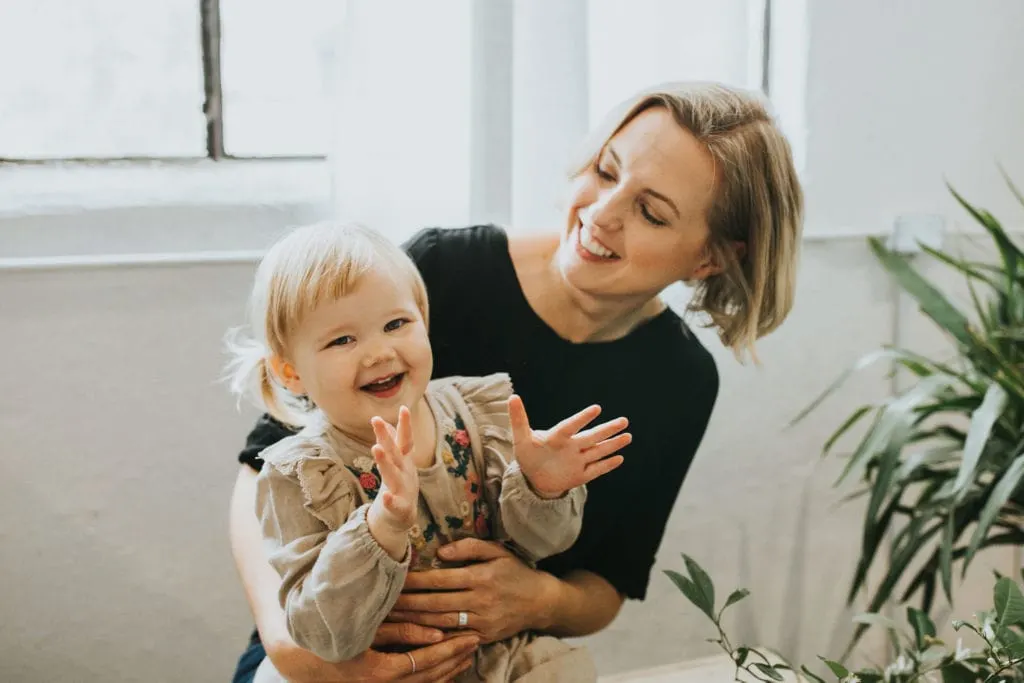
[(437, 662), (499, 594), (561, 458)]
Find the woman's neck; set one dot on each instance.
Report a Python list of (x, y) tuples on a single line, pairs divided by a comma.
[(572, 314)]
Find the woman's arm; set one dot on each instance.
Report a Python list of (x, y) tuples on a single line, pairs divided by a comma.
[(503, 596), (259, 580), (581, 603), (261, 584)]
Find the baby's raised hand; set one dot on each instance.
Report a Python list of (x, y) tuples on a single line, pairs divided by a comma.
[(400, 491), (561, 458)]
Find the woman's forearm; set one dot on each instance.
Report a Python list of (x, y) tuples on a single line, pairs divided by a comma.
[(579, 604), (261, 582)]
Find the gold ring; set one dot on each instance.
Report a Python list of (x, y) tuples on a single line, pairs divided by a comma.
[(413, 660)]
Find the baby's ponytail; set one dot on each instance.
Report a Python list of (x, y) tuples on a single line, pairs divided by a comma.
[(250, 377)]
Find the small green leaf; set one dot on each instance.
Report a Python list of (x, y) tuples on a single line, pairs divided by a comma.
[(692, 593), (873, 619), (741, 655), (736, 596), (813, 676), (768, 671), (1014, 650), (957, 673), (922, 625), (1009, 603), (837, 668), (703, 582), (1007, 636)]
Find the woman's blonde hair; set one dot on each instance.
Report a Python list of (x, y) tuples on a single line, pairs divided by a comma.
[(309, 266), (758, 201)]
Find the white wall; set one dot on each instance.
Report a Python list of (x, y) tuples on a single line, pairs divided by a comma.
[(118, 445)]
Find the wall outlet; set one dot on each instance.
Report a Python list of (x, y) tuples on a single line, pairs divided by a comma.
[(911, 231)]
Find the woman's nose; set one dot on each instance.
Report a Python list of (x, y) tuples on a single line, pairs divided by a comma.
[(606, 212)]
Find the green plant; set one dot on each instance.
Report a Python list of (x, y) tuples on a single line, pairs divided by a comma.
[(947, 454), (918, 656)]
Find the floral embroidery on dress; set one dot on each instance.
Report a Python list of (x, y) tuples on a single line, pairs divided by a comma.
[(363, 463), (368, 480), (471, 516), (459, 447), (478, 513)]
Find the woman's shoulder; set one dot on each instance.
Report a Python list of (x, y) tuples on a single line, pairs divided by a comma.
[(675, 352), (437, 243)]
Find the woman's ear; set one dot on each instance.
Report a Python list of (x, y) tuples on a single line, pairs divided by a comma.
[(287, 375), (714, 261)]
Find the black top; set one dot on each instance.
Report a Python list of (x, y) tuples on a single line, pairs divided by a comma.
[(659, 376)]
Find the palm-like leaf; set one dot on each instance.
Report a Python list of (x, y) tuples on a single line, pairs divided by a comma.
[(928, 480)]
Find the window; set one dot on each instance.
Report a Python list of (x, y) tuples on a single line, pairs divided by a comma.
[(116, 79)]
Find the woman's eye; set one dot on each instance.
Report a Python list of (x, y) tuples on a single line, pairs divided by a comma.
[(603, 174), (341, 341), (395, 324), (651, 218)]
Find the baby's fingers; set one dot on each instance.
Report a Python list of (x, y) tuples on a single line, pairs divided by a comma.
[(518, 419), (404, 431), (596, 469), (385, 434), (389, 468), (595, 435), (606, 448), (570, 425), (395, 504)]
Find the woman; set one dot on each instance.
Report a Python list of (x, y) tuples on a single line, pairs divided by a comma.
[(686, 182)]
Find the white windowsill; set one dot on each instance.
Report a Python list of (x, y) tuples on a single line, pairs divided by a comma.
[(152, 213), (131, 210)]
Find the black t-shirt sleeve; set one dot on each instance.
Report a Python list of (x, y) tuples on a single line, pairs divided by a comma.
[(266, 432), (626, 555), (423, 248)]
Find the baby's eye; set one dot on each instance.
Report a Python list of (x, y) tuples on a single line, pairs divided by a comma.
[(341, 341), (395, 324)]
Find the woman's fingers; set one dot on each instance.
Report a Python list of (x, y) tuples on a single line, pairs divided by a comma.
[(405, 633), (436, 620), (450, 601), (444, 672), (434, 662), (458, 578)]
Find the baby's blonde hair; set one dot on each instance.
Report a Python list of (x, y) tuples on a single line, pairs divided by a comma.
[(309, 266), (758, 201)]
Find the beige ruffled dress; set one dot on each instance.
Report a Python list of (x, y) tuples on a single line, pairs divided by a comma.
[(338, 584)]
